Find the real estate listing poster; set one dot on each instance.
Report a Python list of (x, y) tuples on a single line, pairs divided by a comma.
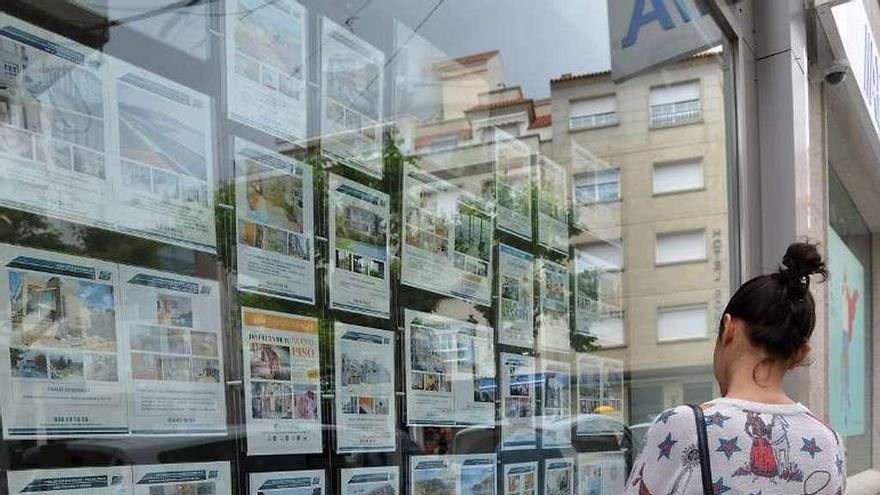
[(468, 474), (518, 393), (601, 472), (282, 383), (358, 231), (61, 346), (516, 303), (266, 66), (275, 223), (76, 481), (383, 480), (556, 404), (54, 135), (554, 328), (198, 477), (552, 205), (513, 186), (309, 482), (365, 412), (175, 347), (433, 475), (352, 86), (559, 476), (445, 391), (447, 236), (521, 478), (587, 278), (599, 392), (165, 180)]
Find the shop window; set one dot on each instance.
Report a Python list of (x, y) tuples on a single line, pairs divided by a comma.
[(593, 112), (675, 104), (682, 322)]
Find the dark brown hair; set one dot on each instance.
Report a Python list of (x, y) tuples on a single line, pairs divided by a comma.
[(778, 310)]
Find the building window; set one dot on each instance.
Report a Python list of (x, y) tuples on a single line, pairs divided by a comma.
[(680, 247), (682, 322), (445, 143), (605, 256), (678, 177), (676, 104), (593, 112), (499, 132), (608, 330), (597, 186)]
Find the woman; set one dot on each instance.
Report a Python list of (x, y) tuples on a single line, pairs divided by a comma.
[(760, 440)]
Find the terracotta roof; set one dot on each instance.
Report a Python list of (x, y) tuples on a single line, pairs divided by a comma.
[(590, 75), (500, 104), (541, 121)]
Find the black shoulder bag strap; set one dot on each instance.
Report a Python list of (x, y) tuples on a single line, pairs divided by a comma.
[(703, 448)]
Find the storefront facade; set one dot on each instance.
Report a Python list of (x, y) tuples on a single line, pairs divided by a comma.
[(415, 247)]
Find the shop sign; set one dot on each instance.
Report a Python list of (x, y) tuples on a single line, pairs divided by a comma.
[(860, 49), (648, 33)]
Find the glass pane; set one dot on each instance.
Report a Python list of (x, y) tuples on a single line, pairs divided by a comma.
[(328, 247)]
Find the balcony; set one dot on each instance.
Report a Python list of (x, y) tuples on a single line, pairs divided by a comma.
[(592, 121), (675, 113)]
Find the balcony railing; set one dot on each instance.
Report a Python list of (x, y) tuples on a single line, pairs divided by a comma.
[(593, 120), (675, 113)]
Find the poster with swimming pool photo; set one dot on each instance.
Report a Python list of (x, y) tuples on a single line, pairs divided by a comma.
[(275, 223)]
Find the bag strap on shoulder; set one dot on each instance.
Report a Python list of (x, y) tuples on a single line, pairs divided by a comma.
[(703, 448)]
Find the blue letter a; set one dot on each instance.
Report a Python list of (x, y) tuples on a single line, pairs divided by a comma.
[(640, 18)]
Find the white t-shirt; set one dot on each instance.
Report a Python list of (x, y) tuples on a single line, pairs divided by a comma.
[(755, 449)]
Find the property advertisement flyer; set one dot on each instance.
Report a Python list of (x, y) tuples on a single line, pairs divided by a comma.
[(165, 181), (597, 298), (559, 476), (383, 480), (450, 367), (76, 481), (846, 337), (552, 205), (556, 407), (516, 303), (54, 133), (358, 232), (513, 186), (266, 66), (175, 346), (309, 482), (599, 391), (521, 478), (61, 346), (601, 472), (282, 383), (198, 478), (518, 402), (447, 236), (587, 307), (275, 223), (470, 474), (352, 86), (553, 324), (365, 412)]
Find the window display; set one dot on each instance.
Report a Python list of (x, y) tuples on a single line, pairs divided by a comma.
[(516, 304)]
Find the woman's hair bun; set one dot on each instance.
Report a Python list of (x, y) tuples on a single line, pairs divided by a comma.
[(801, 260)]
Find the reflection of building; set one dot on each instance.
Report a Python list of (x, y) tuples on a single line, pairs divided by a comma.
[(648, 167)]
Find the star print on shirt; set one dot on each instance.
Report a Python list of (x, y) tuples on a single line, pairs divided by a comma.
[(666, 446), (664, 416), (810, 447), (839, 463), (719, 487), (728, 446), (716, 419)]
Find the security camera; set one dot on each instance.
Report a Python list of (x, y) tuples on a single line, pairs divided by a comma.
[(835, 73)]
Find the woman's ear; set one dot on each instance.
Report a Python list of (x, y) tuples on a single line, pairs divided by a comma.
[(727, 329)]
